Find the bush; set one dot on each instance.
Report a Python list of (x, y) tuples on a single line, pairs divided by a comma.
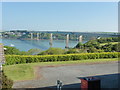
[(11, 50), (79, 45), (72, 51), (34, 51), (6, 83), (14, 51), (52, 51), (92, 50), (18, 59), (109, 39)]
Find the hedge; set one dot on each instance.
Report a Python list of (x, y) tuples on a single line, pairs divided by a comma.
[(18, 59)]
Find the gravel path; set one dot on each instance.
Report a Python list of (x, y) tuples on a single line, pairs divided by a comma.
[(69, 75)]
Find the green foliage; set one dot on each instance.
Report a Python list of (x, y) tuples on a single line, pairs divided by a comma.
[(79, 45), (92, 50), (111, 47), (72, 51), (94, 45), (52, 51), (107, 47), (6, 83), (109, 39), (91, 46), (34, 51), (18, 59), (14, 51), (116, 47), (19, 72), (99, 50)]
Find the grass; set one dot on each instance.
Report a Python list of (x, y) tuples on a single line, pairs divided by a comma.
[(26, 71), (102, 44), (19, 72)]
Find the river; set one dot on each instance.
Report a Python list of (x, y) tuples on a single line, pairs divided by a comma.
[(25, 45)]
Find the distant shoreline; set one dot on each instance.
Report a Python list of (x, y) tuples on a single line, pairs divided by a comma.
[(35, 39)]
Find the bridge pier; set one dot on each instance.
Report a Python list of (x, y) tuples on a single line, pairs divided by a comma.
[(67, 41), (51, 40), (31, 36), (37, 36), (80, 38)]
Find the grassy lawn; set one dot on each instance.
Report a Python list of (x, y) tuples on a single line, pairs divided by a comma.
[(26, 71), (107, 43), (19, 72)]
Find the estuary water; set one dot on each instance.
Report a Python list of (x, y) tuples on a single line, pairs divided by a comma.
[(25, 45)]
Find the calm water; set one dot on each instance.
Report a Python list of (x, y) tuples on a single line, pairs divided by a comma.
[(25, 45)]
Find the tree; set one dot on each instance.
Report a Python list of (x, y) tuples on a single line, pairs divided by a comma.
[(92, 50), (107, 47), (79, 45), (11, 50), (52, 51), (116, 47), (92, 43), (34, 51), (72, 51)]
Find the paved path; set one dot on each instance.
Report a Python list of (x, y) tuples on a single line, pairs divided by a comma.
[(69, 75)]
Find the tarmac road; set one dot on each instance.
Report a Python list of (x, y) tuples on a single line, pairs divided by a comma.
[(70, 74)]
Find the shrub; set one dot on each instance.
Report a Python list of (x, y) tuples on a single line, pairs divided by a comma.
[(17, 59), (72, 51), (52, 51), (34, 51), (79, 45), (6, 83), (14, 51)]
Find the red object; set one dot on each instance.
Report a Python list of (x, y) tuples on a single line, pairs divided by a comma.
[(90, 83)]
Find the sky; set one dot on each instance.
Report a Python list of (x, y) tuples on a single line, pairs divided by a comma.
[(60, 16)]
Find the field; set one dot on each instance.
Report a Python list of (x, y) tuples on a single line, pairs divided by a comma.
[(20, 72)]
